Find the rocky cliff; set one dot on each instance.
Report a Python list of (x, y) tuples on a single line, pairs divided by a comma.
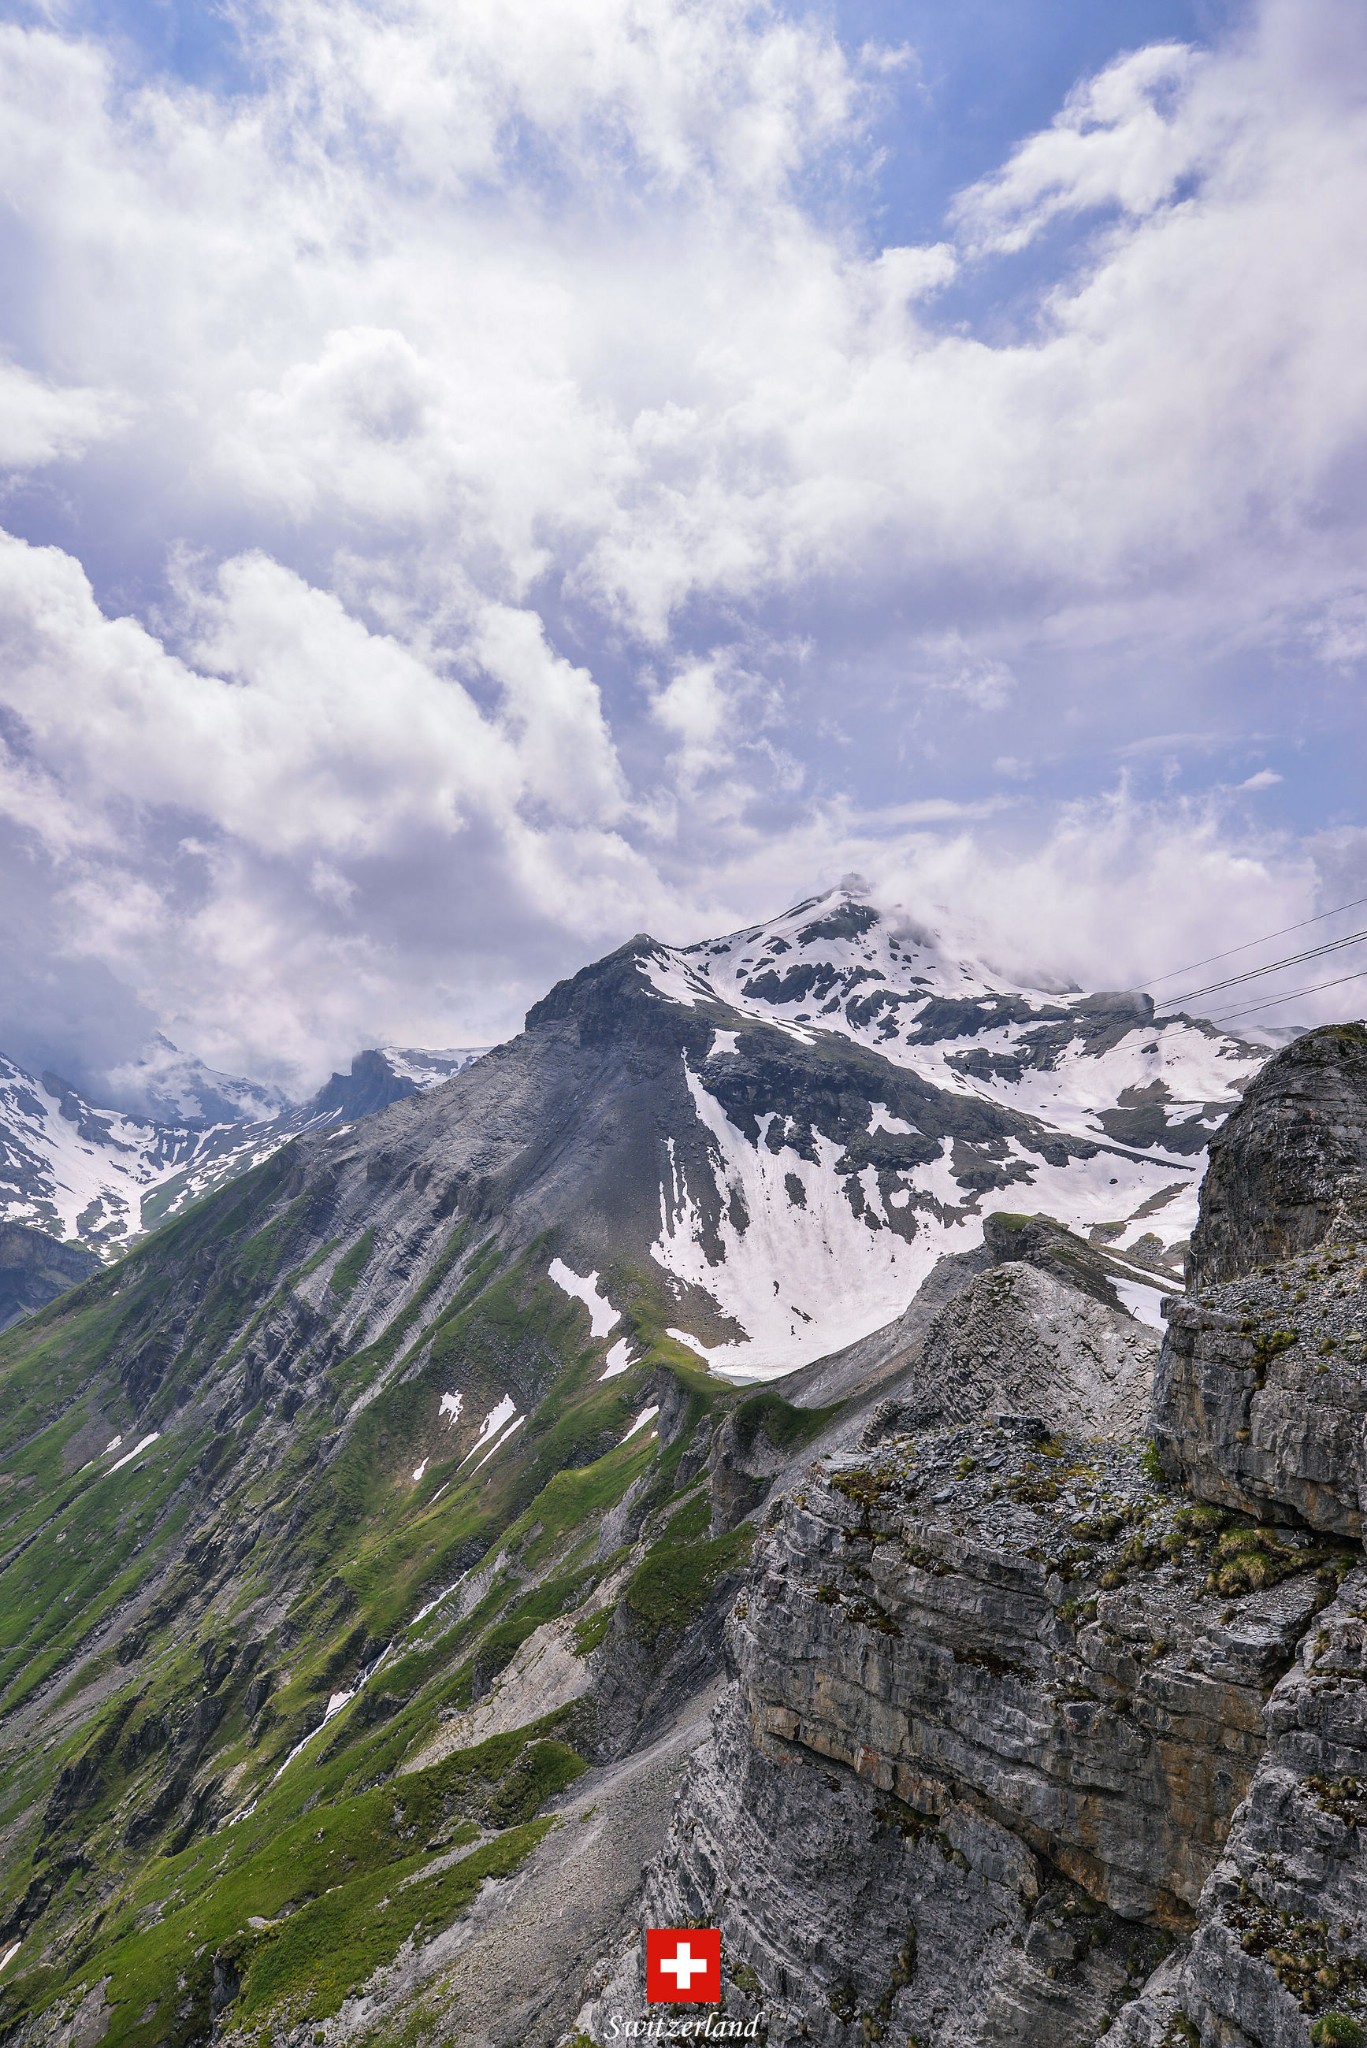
[(1282, 1165), (35, 1269), (1039, 1735)]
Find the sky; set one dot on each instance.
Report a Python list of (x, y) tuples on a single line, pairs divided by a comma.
[(479, 482)]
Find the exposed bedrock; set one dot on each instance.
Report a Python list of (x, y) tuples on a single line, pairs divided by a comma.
[(1020, 1338), (1260, 1397), (1013, 1634), (849, 1918), (997, 1699), (1282, 1940), (1286, 1157)]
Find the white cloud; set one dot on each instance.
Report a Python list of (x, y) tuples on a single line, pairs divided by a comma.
[(572, 527), (1117, 141), (42, 423)]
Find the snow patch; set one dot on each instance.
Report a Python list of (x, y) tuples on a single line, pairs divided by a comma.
[(10, 1953), (506, 1438), (136, 1451), (494, 1421), (450, 1407), (335, 1704), (882, 1119), (603, 1317), (722, 1042), (418, 1471), (618, 1359), (674, 979), (693, 1343), (646, 1415), (1145, 1303), (799, 1280)]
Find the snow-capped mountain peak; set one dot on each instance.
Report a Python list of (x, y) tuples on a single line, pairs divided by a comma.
[(167, 1086), (103, 1176), (807, 1229)]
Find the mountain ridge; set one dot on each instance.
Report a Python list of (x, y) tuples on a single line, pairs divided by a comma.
[(100, 1176), (455, 1424)]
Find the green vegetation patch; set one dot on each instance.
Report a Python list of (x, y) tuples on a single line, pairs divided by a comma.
[(289, 1919), (673, 1585), (787, 1428), (349, 1268)]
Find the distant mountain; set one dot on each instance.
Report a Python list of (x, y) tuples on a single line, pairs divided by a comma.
[(353, 1515), (167, 1086), (100, 1177), (35, 1269), (1087, 1106)]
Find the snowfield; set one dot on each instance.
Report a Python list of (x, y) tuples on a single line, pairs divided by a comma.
[(805, 1267)]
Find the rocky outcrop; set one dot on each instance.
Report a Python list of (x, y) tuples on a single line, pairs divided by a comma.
[(1020, 1338), (856, 1919), (1261, 1392), (1282, 1939), (1009, 1340), (1286, 1157), (998, 1696)]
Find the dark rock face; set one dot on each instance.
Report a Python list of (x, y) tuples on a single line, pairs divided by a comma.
[(1260, 1398), (372, 1084), (998, 1698), (35, 1269), (1286, 1158)]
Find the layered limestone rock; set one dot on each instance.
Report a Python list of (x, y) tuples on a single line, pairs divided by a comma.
[(1282, 1940), (997, 1700), (848, 1917), (1260, 1397), (1019, 1338), (1285, 1158), (1032, 1624)]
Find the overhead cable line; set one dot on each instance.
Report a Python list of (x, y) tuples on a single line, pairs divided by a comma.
[(1275, 1002), (1273, 967), (1265, 940)]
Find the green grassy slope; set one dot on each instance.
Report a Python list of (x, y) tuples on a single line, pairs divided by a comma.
[(173, 1628)]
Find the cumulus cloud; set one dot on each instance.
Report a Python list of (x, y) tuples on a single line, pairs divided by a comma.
[(505, 500), (41, 422)]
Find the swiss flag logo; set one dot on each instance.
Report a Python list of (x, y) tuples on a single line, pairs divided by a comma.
[(683, 1965)]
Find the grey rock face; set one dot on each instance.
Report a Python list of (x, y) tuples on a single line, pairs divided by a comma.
[(1283, 1933), (927, 1629), (857, 1919), (1260, 1397), (998, 1698), (1018, 1338), (1285, 1158)]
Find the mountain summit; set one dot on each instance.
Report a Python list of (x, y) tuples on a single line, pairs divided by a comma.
[(351, 1515), (837, 1105)]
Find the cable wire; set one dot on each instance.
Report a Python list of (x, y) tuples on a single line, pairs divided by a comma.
[(1273, 967), (1265, 940), (1275, 1002)]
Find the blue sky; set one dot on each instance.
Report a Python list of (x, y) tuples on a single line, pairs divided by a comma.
[(480, 482)]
